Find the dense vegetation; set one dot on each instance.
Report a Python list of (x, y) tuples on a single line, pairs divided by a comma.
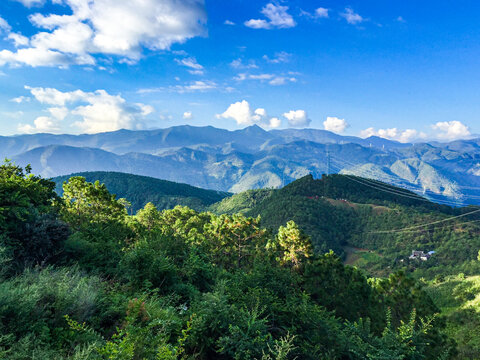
[(377, 231), (82, 279), (140, 190)]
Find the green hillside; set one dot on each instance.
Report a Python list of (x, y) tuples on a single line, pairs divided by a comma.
[(360, 220), (81, 279), (140, 190), (242, 202)]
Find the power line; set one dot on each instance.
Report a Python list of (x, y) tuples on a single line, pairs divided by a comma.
[(423, 225), (410, 186), (382, 187), (378, 187)]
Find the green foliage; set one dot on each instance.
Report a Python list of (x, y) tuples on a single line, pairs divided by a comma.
[(408, 341), (86, 203), (291, 246), (343, 289), (459, 301), (182, 284), (145, 335), (33, 308), (30, 233)]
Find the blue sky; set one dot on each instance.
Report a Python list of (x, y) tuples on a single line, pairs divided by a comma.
[(405, 70)]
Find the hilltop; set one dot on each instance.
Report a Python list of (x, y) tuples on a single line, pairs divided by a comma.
[(140, 190)]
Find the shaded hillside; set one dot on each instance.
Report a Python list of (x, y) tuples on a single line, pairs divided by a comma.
[(140, 190)]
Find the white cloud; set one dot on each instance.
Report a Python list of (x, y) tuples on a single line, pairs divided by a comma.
[(238, 64), (274, 123), (190, 62), (242, 113), (400, 19), (53, 96), (335, 124), (20, 99), (4, 25), (58, 113), (280, 57), (18, 39), (110, 27), (42, 124), (187, 115), (99, 111), (403, 136), (272, 79), (297, 118), (352, 17), (277, 16), (228, 22), (451, 130), (281, 80), (31, 3), (257, 24), (321, 12), (194, 86), (197, 86)]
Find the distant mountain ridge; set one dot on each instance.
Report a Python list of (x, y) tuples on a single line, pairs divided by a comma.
[(253, 158)]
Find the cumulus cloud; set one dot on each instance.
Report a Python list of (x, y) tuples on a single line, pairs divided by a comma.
[(109, 27), (98, 111), (18, 39), (297, 118), (403, 136), (277, 17), (42, 124), (352, 17), (187, 115), (451, 130), (228, 22), (335, 124), (244, 115)]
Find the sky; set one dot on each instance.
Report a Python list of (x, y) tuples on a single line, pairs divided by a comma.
[(404, 70)]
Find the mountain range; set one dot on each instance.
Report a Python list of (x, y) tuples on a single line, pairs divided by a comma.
[(252, 158)]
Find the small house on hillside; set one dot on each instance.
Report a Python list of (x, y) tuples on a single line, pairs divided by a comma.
[(420, 255)]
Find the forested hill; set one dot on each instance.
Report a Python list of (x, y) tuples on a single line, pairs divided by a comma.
[(140, 190), (357, 189), (345, 212)]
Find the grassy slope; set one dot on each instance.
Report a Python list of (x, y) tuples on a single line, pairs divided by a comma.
[(140, 190)]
